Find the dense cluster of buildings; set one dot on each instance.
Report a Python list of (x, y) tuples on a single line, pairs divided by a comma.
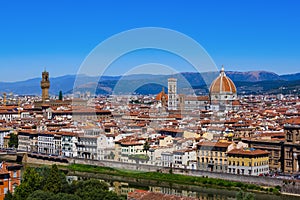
[(220, 132)]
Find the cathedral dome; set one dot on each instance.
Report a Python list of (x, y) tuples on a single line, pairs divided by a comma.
[(161, 95), (222, 84)]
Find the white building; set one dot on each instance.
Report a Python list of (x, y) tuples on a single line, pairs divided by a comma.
[(167, 159), (28, 141), (182, 158), (105, 146), (68, 144), (87, 147), (46, 143), (3, 132)]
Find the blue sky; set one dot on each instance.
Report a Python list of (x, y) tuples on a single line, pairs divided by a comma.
[(59, 34)]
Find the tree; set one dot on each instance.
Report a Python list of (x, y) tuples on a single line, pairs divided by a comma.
[(53, 182), (50, 184), (139, 157), (8, 196), (45, 172), (30, 183), (40, 194), (64, 196), (60, 95), (146, 146), (241, 195), (13, 140), (94, 189)]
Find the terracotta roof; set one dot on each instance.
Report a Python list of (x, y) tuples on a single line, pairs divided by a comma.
[(293, 121), (222, 84), (214, 144), (253, 152)]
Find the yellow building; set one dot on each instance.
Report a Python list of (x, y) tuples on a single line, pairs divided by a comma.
[(211, 156), (248, 161)]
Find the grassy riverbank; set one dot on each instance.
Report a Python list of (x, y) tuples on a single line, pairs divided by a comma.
[(174, 178)]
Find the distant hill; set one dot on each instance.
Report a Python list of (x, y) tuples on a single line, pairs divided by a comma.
[(291, 77), (253, 76), (188, 82)]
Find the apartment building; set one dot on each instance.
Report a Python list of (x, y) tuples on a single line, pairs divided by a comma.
[(211, 156), (69, 144), (28, 140), (249, 161)]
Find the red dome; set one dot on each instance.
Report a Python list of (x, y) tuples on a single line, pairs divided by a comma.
[(160, 96), (222, 84)]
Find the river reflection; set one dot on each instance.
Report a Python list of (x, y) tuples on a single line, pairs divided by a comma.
[(123, 185), (123, 188)]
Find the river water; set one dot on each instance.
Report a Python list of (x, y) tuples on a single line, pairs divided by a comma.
[(123, 185)]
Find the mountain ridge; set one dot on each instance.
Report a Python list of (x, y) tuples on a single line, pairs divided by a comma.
[(185, 79)]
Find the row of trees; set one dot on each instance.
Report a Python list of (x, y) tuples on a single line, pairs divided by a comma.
[(50, 184)]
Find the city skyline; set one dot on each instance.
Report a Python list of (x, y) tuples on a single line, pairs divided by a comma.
[(59, 35), (149, 99)]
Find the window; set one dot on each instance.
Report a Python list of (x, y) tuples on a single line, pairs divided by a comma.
[(15, 174), (289, 154), (289, 136)]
